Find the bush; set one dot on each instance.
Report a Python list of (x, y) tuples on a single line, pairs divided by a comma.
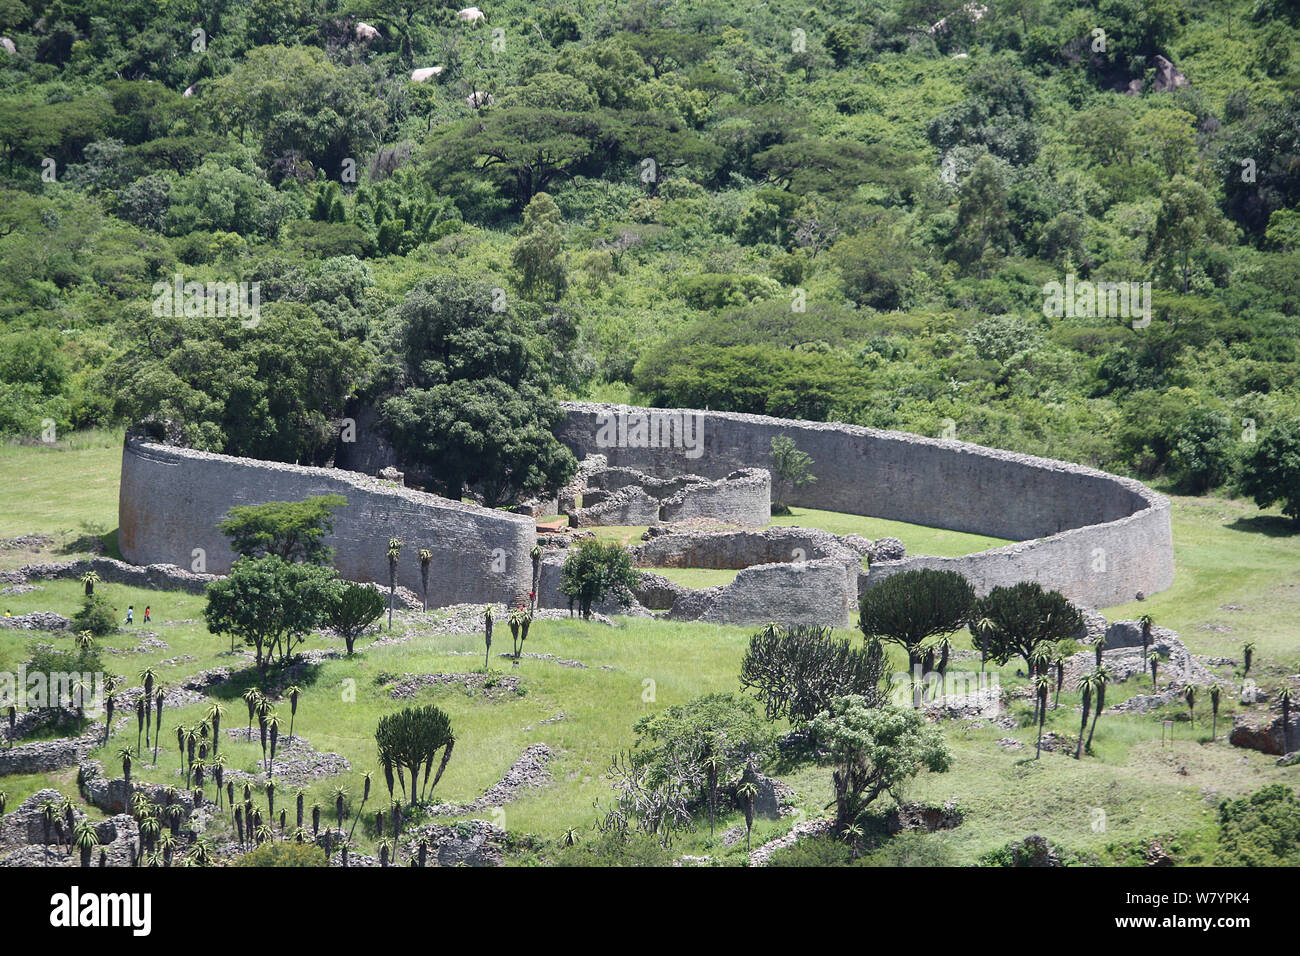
[(1262, 829), (96, 616), (616, 849), (284, 854), (595, 570), (797, 671)]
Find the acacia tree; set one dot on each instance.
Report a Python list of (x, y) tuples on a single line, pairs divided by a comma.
[(291, 530), (269, 604), (909, 608), (873, 750), (1027, 620), (410, 740)]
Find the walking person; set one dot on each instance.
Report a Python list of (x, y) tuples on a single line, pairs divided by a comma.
[(130, 613), (146, 613)]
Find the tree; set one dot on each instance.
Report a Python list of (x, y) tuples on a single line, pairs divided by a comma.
[(1100, 678), (426, 558), (537, 255), (1247, 656), (1026, 619), (1086, 684), (791, 469), (290, 530), (1042, 690), (1271, 473), (1189, 695), (394, 552), (704, 744), (1262, 829), (1215, 692), (908, 608), (873, 750), (1146, 622), (487, 636), (983, 232), (269, 604), (797, 671), (520, 621), (1186, 222), (351, 609), (594, 570), (410, 739)]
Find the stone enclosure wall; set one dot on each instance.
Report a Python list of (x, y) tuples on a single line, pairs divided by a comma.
[(1102, 540), (171, 500)]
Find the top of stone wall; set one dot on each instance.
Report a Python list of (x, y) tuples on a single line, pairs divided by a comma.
[(357, 480)]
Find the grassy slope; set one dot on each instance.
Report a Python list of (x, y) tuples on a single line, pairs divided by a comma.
[(1226, 554)]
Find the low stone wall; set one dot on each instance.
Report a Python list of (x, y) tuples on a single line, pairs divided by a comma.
[(172, 499), (1100, 539), (624, 496), (157, 577)]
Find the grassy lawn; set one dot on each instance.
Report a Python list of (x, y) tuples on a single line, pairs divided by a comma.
[(1227, 555)]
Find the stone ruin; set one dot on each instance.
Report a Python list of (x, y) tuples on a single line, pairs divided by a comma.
[(625, 496)]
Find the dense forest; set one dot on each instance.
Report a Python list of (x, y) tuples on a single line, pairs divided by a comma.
[(847, 211)]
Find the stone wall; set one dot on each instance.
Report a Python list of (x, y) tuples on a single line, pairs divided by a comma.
[(1098, 538), (171, 500), (625, 496)]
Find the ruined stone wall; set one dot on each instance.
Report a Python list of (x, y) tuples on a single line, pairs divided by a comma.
[(624, 496), (1098, 538), (171, 500)]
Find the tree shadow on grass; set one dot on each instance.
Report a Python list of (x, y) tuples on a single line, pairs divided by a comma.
[(1273, 526)]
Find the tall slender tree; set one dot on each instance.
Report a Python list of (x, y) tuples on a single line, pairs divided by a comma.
[(394, 552)]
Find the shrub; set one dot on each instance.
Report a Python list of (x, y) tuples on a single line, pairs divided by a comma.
[(1262, 829), (594, 570), (275, 853), (797, 671), (96, 616)]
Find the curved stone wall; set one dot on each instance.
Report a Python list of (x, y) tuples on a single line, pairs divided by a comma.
[(1098, 538), (171, 500)]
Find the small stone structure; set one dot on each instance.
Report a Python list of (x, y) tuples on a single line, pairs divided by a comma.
[(625, 496)]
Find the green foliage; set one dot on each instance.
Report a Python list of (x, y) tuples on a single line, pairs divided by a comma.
[(873, 750), (290, 530), (1272, 471), (283, 853), (410, 739), (791, 469), (1025, 619), (97, 615), (908, 608), (269, 604), (351, 609), (1262, 829), (797, 671), (594, 570)]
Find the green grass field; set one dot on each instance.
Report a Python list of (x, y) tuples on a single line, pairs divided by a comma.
[(1227, 556)]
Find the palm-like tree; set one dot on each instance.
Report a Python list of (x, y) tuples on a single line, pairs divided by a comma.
[(487, 635), (273, 728), (365, 795), (1247, 656), (293, 692), (11, 714), (252, 698), (1155, 670), (49, 811), (147, 677), (536, 555), (1058, 663), (1100, 678), (1189, 695), (201, 853), (852, 835), (85, 836), (4, 802), (1147, 622), (125, 755), (159, 697), (213, 716), (270, 799), (1214, 709), (139, 722), (426, 556), (394, 552), (983, 630), (1100, 648), (1042, 688), (90, 579), (1038, 664), (1086, 683), (748, 793)]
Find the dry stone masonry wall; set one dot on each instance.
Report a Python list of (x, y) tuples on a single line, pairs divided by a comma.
[(172, 499), (1100, 539)]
